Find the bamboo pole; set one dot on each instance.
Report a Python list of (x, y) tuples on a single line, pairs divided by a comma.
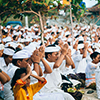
[(71, 22), (42, 28)]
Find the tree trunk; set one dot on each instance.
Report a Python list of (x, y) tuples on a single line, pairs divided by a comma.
[(44, 20), (42, 28), (0, 29)]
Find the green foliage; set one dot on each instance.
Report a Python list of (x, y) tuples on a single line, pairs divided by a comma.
[(78, 10), (15, 7)]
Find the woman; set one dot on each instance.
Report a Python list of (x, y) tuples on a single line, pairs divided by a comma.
[(90, 70)]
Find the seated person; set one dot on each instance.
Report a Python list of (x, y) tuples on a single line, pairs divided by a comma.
[(90, 70)]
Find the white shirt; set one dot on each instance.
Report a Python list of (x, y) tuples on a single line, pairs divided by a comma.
[(7, 87), (77, 57), (3, 65)]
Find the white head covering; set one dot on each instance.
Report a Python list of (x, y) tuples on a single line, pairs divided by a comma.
[(1, 46), (80, 46), (8, 51), (52, 49), (30, 48), (8, 26), (7, 39), (13, 44), (28, 40), (21, 55)]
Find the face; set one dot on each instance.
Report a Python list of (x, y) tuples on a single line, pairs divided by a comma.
[(27, 43), (9, 59), (54, 56), (27, 80), (60, 41), (96, 60), (24, 63), (1, 52), (81, 51)]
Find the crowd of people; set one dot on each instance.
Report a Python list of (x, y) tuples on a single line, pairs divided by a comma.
[(55, 70)]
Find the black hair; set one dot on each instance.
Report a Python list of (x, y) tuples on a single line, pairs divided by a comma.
[(67, 35), (22, 36), (94, 55), (36, 33), (48, 27), (99, 38), (62, 27), (14, 37), (69, 43), (5, 56), (4, 33), (80, 42), (58, 32), (56, 42), (46, 54), (17, 49), (17, 75), (83, 35), (14, 61), (76, 36), (11, 30), (52, 33), (11, 47)]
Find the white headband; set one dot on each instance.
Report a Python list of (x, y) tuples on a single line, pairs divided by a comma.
[(8, 51), (52, 49)]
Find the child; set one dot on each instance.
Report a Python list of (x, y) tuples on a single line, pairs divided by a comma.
[(21, 84)]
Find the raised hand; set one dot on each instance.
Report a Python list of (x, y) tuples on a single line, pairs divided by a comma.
[(64, 49), (35, 56), (28, 68), (86, 45), (41, 51)]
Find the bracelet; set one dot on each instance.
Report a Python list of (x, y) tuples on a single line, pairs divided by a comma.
[(0, 70), (36, 63)]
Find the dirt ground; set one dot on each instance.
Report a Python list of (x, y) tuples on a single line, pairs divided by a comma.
[(92, 96)]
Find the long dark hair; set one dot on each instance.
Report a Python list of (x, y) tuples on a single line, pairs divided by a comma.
[(17, 76)]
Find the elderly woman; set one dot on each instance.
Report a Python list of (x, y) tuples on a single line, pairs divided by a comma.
[(90, 70)]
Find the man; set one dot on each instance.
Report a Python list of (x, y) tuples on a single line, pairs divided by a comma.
[(55, 59), (6, 58)]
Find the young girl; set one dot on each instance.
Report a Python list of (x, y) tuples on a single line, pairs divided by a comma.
[(21, 84)]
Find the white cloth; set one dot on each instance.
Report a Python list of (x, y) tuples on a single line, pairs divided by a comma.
[(45, 95), (3, 65), (81, 66), (7, 87), (48, 96), (66, 70), (77, 58), (54, 81), (97, 78), (90, 73)]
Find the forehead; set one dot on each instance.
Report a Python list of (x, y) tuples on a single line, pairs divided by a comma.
[(9, 56), (55, 52), (25, 58)]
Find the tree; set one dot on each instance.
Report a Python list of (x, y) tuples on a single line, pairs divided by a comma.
[(41, 8), (18, 8)]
